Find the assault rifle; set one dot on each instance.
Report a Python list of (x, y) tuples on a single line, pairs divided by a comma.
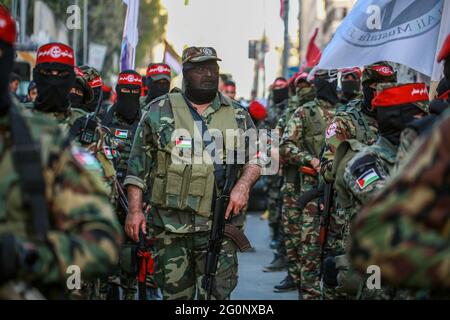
[(220, 229)]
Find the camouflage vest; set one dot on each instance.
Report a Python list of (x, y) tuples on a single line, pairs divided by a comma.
[(123, 133), (181, 185), (364, 133), (344, 153), (314, 124)]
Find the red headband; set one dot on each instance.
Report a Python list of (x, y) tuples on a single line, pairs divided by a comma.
[(279, 83), (7, 26), (158, 69), (55, 53), (78, 72), (408, 93), (130, 79), (97, 82), (383, 70)]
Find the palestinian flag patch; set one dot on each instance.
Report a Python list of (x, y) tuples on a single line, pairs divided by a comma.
[(108, 153), (121, 134), (367, 179), (85, 159), (183, 144)]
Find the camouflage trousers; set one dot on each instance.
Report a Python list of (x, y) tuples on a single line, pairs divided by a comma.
[(337, 237), (291, 221), (310, 245), (275, 207), (180, 266)]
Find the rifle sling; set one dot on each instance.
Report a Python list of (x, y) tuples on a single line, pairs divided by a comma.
[(26, 154), (219, 170)]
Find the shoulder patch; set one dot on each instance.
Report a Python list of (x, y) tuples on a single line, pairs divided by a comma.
[(367, 178), (331, 130), (85, 159)]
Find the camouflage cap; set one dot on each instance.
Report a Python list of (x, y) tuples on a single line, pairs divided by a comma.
[(81, 80), (330, 75), (199, 54), (379, 72), (92, 76), (392, 94)]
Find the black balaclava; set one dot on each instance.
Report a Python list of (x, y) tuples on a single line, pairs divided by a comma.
[(393, 119), (77, 101), (53, 91), (6, 67), (279, 95), (127, 105), (326, 88), (350, 88), (201, 81), (447, 68), (156, 89)]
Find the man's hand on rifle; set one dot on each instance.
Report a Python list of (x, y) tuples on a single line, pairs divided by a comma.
[(241, 191), (315, 163), (135, 220), (133, 223), (238, 199)]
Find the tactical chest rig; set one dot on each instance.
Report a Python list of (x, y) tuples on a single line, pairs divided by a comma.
[(181, 186)]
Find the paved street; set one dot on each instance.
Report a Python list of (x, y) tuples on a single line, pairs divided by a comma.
[(253, 283)]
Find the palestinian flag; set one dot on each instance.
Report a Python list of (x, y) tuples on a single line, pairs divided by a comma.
[(108, 153), (183, 144), (367, 179), (121, 134)]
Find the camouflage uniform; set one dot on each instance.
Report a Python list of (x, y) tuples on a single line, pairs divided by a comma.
[(302, 141), (275, 182), (355, 124), (405, 229), (291, 189), (182, 234), (83, 229), (366, 175), (123, 133)]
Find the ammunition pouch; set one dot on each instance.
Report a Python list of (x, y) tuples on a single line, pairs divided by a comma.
[(238, 237)]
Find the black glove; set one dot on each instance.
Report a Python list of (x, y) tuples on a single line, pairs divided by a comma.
[(330, 272)]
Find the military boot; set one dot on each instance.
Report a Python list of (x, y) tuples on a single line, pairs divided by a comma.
[(286, 285), (279, 263)]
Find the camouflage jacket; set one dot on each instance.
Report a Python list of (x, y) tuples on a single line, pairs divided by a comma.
[(156, 128), (302, 97), (366, 173), (83, 229), (405, 230), (293, 149), (64, 119), (349, 123), (124, 134)]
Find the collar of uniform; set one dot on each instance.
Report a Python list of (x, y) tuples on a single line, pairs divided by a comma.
[(215, 105)]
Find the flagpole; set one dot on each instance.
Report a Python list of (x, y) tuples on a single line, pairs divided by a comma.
[(286, 39)]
